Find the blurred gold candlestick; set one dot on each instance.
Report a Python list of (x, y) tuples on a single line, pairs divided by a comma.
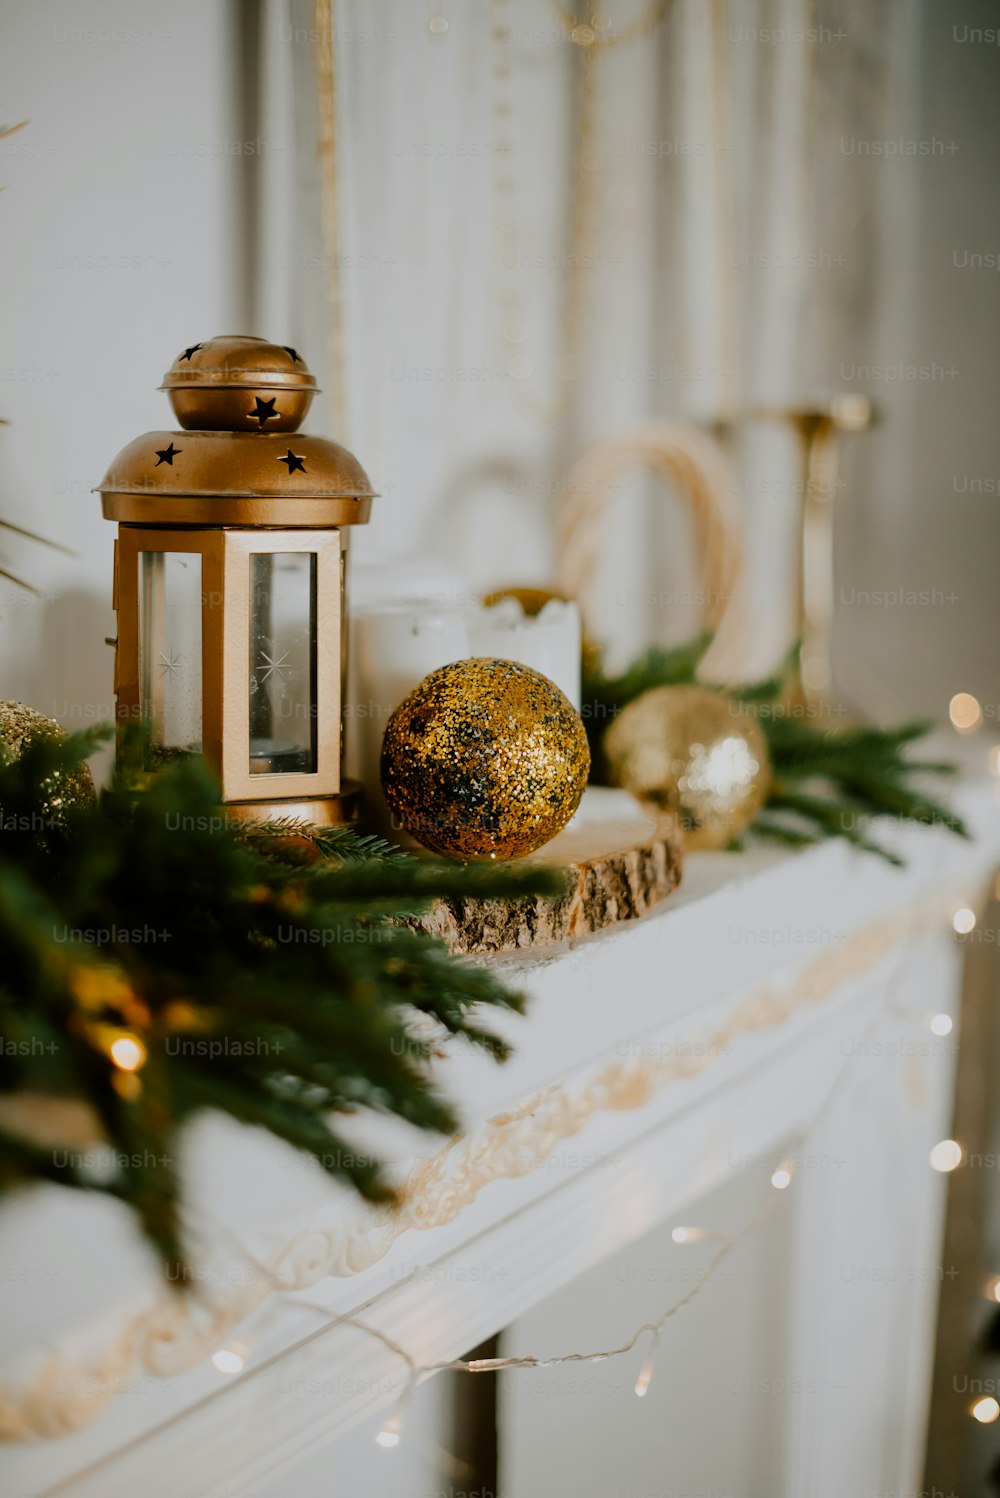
[(820, 429)]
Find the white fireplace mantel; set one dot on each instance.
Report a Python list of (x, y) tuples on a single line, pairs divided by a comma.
[(654, 1062)]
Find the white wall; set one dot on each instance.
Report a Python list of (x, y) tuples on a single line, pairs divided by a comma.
[(922, 515), (118, 226)]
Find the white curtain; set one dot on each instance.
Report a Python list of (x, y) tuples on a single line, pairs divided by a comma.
[(738, 261)]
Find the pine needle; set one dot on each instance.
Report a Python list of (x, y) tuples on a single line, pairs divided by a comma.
[(826, 782), (265, 971)]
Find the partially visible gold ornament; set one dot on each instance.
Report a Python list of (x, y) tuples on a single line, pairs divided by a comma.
[(63, 794), (696, 753), (484, 759)]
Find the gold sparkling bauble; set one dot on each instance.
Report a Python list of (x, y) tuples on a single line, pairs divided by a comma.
[(484, 759), (63, 794), (695, 753)]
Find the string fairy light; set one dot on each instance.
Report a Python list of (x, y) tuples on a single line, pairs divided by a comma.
[(936, 1020), (697, 1235), (946, 1155), (128, 1053), (230, 1360), (985, 1410), (389, 1433), (645, 1374), (965, 712)]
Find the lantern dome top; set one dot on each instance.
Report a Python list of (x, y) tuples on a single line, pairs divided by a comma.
[(235, 463), (235, 383)]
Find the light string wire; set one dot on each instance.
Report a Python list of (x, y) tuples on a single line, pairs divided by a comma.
[(783, 1176)]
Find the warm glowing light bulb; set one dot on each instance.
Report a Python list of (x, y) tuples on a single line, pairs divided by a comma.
[(946, 1155), (645, 1374), (128, 1052), (696, 1235), (993, 1288), (229, 1360), (391, 1431), (941, 1024), (782, 1177), (963, 920), (965, 712), (985, 1410)]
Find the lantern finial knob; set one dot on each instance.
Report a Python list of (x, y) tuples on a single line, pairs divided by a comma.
[(234, 383)]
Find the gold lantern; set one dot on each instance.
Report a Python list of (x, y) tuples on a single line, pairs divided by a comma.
[(230, 569)]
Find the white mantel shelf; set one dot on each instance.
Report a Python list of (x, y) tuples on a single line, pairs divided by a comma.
[(650, 1059)]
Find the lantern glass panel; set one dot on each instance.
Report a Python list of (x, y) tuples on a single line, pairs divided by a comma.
[(282, 663), (170, 651)]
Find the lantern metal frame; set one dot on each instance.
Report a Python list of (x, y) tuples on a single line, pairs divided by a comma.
[(221, 495)]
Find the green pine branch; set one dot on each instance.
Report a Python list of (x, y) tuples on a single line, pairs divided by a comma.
[(826, 782), (267, 973)]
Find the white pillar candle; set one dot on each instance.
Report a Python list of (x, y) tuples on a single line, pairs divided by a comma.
[(396, 639), (549, 641), (393, 647)]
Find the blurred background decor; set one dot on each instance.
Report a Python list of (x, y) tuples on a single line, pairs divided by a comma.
[(520, 236), (751, 251)]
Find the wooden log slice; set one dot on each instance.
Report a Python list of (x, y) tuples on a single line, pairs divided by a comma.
[(623, 858)]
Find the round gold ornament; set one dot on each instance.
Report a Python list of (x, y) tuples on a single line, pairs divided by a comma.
[(484, 759), (64, 793), (696, 753)]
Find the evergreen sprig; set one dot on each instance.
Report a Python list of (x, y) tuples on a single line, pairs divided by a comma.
[(826, 781), (265, 972)]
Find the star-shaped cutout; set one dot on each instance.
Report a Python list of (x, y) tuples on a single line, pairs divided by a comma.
[(167, 455), (169, 664), (294, 462), (264, 411), (192, 350), (271, 667), (290, 351)]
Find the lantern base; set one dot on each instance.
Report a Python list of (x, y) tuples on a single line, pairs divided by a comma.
[(340, 810)]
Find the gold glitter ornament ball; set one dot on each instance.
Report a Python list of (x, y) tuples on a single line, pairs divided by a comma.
[(695, 753), (484, 759), (64, 793)]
